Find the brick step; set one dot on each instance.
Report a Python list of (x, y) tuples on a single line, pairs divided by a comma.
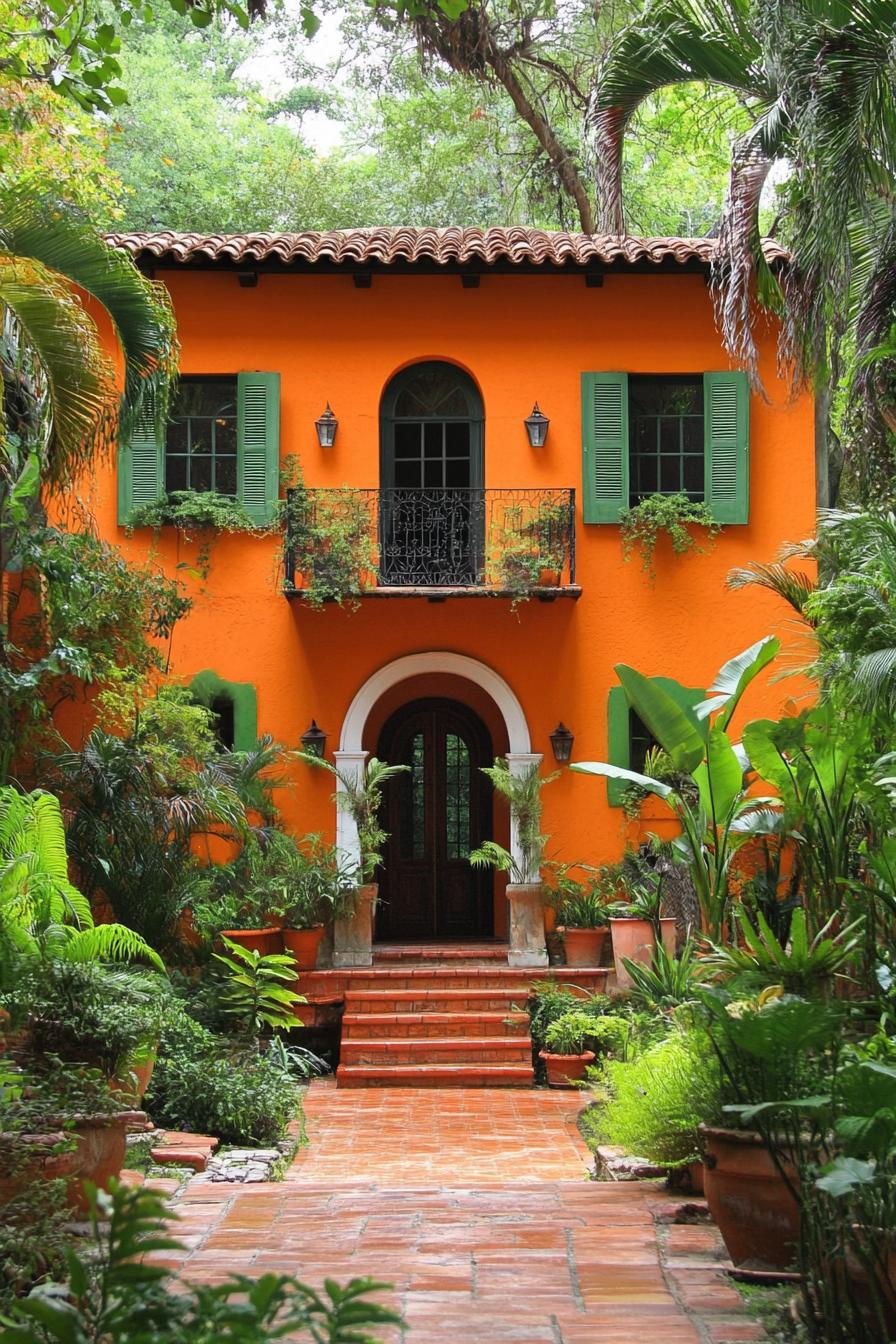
[(487, 1050), (435, 1000), (482, 954), (434, 1024), (324, 984), (434, 1075)]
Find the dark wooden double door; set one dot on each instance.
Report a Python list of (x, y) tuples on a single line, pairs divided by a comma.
[(435, 813)]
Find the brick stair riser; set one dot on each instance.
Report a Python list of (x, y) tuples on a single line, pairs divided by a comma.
[(419, 1026), (407, 1001), (483, 1051), (334, 984), (474, 1075)]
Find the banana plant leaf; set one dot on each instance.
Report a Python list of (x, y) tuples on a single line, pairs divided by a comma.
[(630, 776), (677, 730), (734, 678)]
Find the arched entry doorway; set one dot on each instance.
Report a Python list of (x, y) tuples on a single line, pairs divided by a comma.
[(434, 814)]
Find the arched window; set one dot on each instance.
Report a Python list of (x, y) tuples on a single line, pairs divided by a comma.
[(431, 430), (432, 506)]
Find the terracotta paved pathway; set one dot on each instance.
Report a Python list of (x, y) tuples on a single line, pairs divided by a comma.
[(472, 1203)]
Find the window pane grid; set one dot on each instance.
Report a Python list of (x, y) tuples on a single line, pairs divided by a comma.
[(665, 438), (201, 448)]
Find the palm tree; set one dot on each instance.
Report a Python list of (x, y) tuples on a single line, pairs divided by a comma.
[(63, 402), (819, 81), (62, 399)]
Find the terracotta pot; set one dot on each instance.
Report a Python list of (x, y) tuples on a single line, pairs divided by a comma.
[(697, 1174), (135, 1081), (853, 1275), (669, 935), (583, 946), (264, 941), (43, 1165), (756, 1213), (633, 939), (303, 944), (100, 1152), (564, 1070)]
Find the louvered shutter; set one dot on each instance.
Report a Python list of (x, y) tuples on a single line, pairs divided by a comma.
[(140, 468), (726, 400), (604, 446), (258, 442)]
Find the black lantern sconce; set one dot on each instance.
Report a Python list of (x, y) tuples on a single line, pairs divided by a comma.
[(314, 740), (326, 426), (561, 743), (536, 427)]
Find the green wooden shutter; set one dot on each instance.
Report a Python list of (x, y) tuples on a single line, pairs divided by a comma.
[(604, 446), (258, 442), (726, 405), (141, 470), (204, 688)]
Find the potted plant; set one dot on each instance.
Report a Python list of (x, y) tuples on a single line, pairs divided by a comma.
[(525, 890), (320, 890), (565, 1054), (774, 1049), (551, 528), (361, 796), (330, 535), (582, 919), (86, 1013), (60, 1122), (635, 922)]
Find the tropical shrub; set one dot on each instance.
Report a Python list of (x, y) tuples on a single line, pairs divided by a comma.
[(801, 965), (90, 1013), (523, 796), (697, 743), (255, 991), (658, 1099), (203, 1084), (362, 799), (42, 913), (667, 982)]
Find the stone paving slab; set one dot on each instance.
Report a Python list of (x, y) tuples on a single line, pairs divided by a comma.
[(476, 1210)]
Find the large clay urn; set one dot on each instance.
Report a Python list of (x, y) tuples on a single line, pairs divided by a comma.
[(353, 934), (526, 924), (565, 1070), (755, 1209), (632, 939)]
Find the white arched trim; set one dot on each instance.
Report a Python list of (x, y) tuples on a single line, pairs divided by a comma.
[(421, 664)]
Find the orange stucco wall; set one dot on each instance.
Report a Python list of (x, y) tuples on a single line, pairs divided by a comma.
[(522, 338)]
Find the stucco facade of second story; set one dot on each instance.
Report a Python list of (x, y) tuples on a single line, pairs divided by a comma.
[(432, 349)]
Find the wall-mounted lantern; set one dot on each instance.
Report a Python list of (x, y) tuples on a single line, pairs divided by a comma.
[(326, 425), (536, 427), (561, 743), (314, 740)]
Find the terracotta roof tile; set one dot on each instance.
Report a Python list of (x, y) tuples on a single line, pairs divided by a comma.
[(446, 247)]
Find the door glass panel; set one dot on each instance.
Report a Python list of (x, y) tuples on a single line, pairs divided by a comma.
[(414, 829), (457, 797)]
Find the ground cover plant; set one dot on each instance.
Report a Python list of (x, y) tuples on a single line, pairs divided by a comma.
[(111, 1291)]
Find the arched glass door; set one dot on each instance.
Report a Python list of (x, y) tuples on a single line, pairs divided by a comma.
[(432, 508), (435, 813)]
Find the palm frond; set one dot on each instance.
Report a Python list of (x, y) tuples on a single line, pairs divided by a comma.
[(140, 311), (110, 942), (53, 361), (794, 586)]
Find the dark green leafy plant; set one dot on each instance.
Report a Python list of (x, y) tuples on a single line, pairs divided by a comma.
[(668, 981), (209, 1086), (361, 797), (329, 535), (255, 993), (90, 1013), (192, 511), (115, 1292), (802, 965), (581, 907), (676, 515)]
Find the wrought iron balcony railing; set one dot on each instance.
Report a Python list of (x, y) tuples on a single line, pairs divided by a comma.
[(349, 542)]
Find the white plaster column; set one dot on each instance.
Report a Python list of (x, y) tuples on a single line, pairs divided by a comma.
[(519, 764), (350, 764)]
